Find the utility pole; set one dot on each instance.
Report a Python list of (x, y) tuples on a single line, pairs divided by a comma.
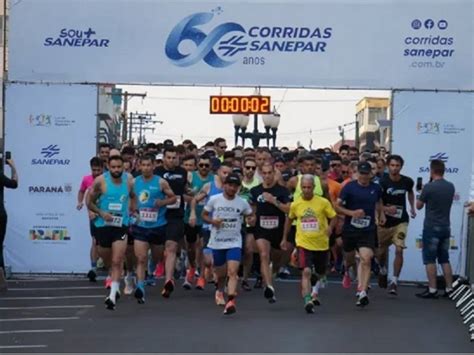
[(127, 96), (138, 122)]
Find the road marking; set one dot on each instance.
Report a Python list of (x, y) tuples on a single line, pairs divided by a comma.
[(22, 346), (36, 319), (55, 288), (46, 307), (31, 331), (49, 297)]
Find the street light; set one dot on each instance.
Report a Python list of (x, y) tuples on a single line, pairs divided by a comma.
[(270, 122)]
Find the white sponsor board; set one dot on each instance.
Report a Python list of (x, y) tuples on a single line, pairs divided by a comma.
[(431, 126), (51, 133), (377, 44)]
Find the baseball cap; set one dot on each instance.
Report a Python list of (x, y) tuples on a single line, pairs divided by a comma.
[(159, 156), (237, 170), (364, 168), (168, 143), (233, 178)]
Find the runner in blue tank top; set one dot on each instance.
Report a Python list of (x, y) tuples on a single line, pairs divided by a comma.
[(153, 195), (212, 188), (110, 199)]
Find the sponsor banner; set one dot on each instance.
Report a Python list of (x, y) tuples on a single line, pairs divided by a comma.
[(51, 132), (430, 126), (381, 44)]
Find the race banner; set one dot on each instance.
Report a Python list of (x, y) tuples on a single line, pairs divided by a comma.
[(377, 44), (431, 126), (51, 134)]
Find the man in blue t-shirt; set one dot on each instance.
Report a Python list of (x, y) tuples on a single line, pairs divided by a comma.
[(361, 203)]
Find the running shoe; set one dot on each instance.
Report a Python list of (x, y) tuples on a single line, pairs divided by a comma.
[(315, 299), (92, 276), (159, 270), (346, 281), (109, 304), (230, 307), (129, 285), (269, 294), (140, 295), (392, 288), (201, 283), (245, 285), (309, 307), (108, 282), (219, 297), (427, 294), (362, 300), (168, 288), (186, 285)]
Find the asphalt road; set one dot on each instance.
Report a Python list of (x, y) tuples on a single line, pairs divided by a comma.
[(69, 316)]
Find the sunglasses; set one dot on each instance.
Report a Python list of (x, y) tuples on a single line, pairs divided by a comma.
[(344, 172), (223, 147), (204, 165), (251, 167)]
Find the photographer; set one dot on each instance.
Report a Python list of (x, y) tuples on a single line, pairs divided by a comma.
[(11, 184)]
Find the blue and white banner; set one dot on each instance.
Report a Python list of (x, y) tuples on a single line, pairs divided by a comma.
[(427, 126), (51, 133), (379, 44)]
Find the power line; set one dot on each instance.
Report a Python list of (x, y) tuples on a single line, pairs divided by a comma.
[(171, 98)]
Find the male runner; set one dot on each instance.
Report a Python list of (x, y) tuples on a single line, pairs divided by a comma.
[(109, 199), (178, 179), (361, 202), (270, 202), (153, 195), (97, 168), (227, 210), (396, 188), (193, 234), (312, 237), (214, 187)]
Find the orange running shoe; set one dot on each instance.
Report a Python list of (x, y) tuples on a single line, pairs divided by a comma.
[(201, 283), (230, 307)]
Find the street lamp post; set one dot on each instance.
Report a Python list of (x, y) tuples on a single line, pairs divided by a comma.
[(270, 122)]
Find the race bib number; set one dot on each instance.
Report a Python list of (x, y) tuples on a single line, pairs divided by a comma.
[(399, 212), (115, 207), (360, 223), (175, 205), (117, 221), (269, 222), (310, 225), (148, 215)]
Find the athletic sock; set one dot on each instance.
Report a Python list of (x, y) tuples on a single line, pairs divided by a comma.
[(433, 290), (307, 299), (141, 285), (113, 290), (94, 265), (395, 279), (316, 287)]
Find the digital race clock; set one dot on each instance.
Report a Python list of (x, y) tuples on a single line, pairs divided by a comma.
[(240, 105)]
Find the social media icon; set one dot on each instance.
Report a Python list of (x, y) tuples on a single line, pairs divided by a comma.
[(442, 24), (429, 24), (416, 24)]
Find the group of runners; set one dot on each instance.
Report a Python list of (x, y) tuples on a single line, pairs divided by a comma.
[(318, 211)]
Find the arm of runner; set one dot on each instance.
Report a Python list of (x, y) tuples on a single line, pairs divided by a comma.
[(284, 207), (92, 197), (133, 197), (381, 213), (342, 210), (187, 197), (332, 226), (411, 201), (201, 195), (291, 185), (216, 222), (286, 231), (80, 199), (170, 196)]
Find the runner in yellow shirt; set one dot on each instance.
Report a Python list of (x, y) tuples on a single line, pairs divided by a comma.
[(312, 214)]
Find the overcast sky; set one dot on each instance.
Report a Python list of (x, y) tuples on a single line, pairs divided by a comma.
[(305, 113)]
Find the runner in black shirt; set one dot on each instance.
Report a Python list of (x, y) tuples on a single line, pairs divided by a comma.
[(271, 202), (395, 189), (178, 179)]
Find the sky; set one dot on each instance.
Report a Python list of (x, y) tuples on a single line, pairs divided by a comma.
[(306, 114)]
